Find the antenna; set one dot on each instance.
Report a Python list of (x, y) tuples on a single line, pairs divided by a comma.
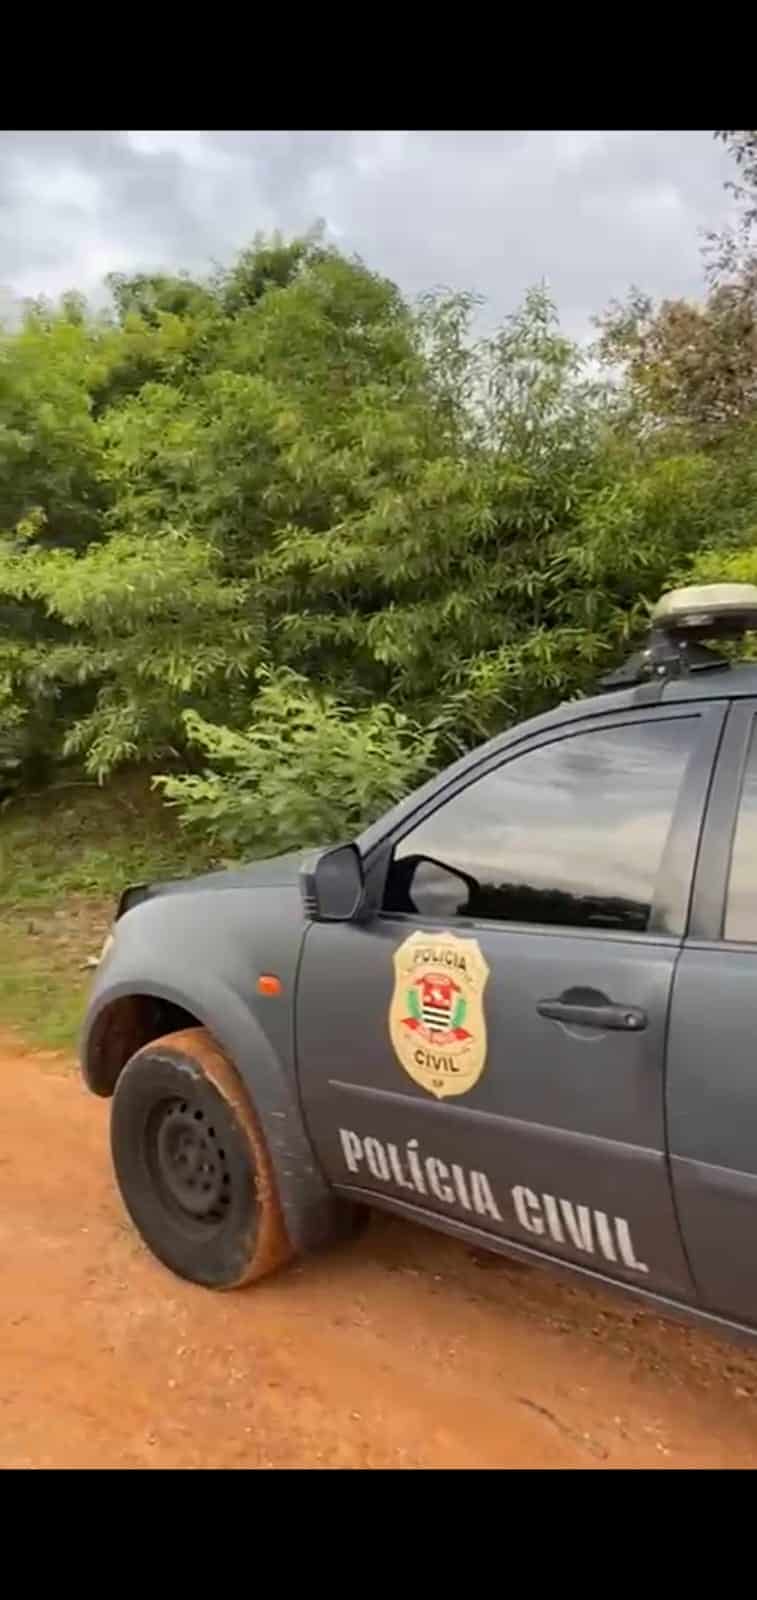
[(679, 622)]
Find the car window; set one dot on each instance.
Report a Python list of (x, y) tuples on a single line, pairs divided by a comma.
[(741, 904), (571, 833)]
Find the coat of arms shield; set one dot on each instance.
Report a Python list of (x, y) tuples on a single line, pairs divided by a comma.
[(436, 1017)]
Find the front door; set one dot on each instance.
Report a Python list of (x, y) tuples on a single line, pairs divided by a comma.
[(489, 1047)]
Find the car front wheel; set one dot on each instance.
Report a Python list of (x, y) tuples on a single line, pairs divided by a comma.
[(192, 1165)]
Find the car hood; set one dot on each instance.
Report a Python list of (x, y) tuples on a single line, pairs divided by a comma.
[(273, 873)]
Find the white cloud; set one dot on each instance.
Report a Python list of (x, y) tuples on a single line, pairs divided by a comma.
[(592, 211)]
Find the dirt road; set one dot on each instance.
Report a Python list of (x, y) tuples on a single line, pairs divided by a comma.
[(397, 1351)]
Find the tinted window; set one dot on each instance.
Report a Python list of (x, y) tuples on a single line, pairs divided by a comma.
[(741, 909), (570, 833)]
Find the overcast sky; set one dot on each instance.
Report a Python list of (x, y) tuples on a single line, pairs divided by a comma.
[(492, 212)]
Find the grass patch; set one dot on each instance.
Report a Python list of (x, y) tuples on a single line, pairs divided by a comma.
[(80, 839), (65, 856), (43, 985)]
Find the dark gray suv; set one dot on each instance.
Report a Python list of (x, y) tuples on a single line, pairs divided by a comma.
[(520, 1008)]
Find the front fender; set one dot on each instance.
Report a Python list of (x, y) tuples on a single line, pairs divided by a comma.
[(202, 954)]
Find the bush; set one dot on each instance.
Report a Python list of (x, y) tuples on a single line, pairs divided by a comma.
[(308, 770)]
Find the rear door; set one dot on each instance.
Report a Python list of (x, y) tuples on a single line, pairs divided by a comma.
[(712, 1057), (566, 867)]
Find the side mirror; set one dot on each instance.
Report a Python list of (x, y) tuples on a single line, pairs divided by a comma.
[(332, 884)]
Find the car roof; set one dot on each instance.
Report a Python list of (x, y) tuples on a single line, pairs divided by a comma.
[(716, 683)]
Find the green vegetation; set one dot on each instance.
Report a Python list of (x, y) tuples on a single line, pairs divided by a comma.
[(65, 856), (286, 543)]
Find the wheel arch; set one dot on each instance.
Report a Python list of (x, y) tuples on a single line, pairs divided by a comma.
[(124, 1026), (129, 1014)]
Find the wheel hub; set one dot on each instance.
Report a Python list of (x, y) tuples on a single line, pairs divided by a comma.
[(190, 1163)]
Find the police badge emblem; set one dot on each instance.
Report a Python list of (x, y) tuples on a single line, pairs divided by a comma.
[(436, 1017)]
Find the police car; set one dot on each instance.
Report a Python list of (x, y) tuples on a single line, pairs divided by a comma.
[(519, 1008)]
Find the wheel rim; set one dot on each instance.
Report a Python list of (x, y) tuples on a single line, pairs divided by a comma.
[(188, 1163)]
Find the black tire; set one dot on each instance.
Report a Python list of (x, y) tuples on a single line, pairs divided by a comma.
[(192, 1165)]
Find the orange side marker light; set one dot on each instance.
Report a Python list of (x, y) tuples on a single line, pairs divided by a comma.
[(268, 983)]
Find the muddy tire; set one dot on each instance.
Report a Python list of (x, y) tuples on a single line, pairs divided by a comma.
[(192, 1165)]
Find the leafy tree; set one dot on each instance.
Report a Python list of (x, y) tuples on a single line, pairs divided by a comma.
[(732, 251), (295, 541), (691, 366), (50, 451), (694, 366)]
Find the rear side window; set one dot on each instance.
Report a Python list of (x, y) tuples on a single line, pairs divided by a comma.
[(741, 905)]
